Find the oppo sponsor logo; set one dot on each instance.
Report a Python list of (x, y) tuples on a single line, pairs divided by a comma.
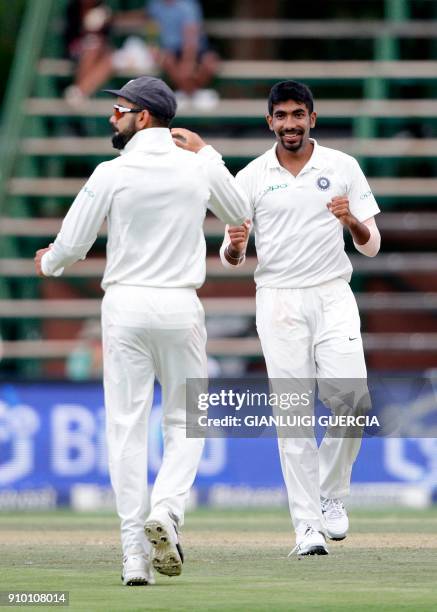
[(274, 188)]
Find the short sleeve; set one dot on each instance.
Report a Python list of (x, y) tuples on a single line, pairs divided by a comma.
[(362, 202)]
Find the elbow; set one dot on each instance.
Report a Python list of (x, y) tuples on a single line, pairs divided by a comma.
[(376, 245), (370, 249), (373, 253), (372, 246)]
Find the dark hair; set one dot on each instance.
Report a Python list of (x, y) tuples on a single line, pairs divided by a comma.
[(290, 90)]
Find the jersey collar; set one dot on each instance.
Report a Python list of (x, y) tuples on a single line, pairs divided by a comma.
[(152, 140), (315, 161)]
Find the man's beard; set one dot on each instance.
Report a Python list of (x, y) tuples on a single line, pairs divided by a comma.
[(120, 139)]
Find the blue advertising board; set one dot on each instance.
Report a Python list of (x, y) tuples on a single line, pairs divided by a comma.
[(52, 436)]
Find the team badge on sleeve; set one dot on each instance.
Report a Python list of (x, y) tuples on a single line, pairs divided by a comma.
[(323, 183)]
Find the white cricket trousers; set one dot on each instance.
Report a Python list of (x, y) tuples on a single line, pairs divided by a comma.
[(312, 333), (147, 333)]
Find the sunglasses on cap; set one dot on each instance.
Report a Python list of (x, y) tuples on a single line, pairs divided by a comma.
[(119, 111)]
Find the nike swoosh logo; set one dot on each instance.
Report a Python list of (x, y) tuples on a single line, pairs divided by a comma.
[(352, 338)]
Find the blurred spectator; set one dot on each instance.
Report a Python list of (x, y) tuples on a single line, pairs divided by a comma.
[(184, 54), (87, 38), (87, 35)]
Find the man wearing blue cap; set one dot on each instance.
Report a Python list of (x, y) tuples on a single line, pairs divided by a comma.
[(154, 198)]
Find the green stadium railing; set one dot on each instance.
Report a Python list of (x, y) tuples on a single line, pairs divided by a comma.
[(23, 74)]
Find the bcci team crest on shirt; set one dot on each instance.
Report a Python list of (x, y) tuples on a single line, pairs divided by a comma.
[(323, 183)]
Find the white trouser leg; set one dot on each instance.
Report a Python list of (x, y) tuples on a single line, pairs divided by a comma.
[(299, 462), (150, 331), (178, 356), (128, 383), (336, 457), (286, 339), (340, 359)]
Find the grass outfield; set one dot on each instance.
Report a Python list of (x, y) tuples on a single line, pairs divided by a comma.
[(235, 560)]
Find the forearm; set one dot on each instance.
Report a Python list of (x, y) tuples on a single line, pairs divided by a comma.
[(359, 231), (371, 247)]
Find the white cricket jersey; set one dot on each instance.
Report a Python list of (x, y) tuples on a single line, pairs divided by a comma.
[(299, 242), (154, 197)]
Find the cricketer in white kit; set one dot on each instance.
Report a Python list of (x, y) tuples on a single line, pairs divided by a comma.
[(154, 198), (302, 195)]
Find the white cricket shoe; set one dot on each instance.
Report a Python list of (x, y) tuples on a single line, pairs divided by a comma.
[(161, 532), (309, 542), (137, 570), (337, 522)]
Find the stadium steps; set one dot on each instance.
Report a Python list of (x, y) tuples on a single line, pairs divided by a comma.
[(63, 187), (56, 349), (407, 222), (248, 109), (314, 28), (277, 70), (352, 29), (384, 264), (223, 347), (239, 148), (83, 308)]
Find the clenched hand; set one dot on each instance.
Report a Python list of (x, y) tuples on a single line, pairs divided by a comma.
[(239, 235)]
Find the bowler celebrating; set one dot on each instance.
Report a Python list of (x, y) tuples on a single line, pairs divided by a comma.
[(302, 195)]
